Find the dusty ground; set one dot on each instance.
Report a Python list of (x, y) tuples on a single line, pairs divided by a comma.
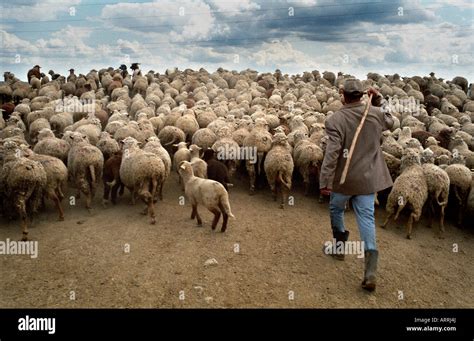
[(279, 251)]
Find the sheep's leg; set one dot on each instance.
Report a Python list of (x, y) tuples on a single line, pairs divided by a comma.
[(460, 200), (431, 212), (57, 203), (105, 198), (410, 225), (441, 221), (151, 211), (161, 191), (251, 170), (225, 217), (115, 188), (122, 189), (284, 196), (196, 214), (59, 191), (306, 182), (217, 216), (21, 209), (385, 223)]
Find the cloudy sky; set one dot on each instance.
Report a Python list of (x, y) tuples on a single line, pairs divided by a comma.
[(358, 36)]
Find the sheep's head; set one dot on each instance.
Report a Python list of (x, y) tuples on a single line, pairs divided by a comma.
[(129, 143), (45, 133), (153, 139), (464, 119), (104, 135), (280, 139), (76, 138), (405, 132), (458, 158), (194, 149), (414, 143), (181, 145), (431, 141), (443, 160), (185, 169), (410, 157), (300, 136), (427, 156)]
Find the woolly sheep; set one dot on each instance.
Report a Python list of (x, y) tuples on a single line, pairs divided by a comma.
[(204, 138), (438, 183), (107, 145), (199, 165), (85, 163), (154, 146), (22, 184), (409, 190), (208, 193), (142, 173), (279, 167), (460, 179)]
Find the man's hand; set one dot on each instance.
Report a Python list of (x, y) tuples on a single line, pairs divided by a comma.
[(373, 92), (325, 191)]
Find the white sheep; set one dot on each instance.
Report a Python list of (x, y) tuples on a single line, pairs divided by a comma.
[(279, 167), (208, 193), (409, 190)]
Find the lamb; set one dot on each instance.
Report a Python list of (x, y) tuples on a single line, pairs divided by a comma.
[(432, 144), (107, 145), (216, 170), (409, 190), (438, 183), (85, 163), (48, 144), (460, 179), (208, 193), (111, 178), (199, 165), (142, 173), (22, 184), (182, 154), (279, 167), (154, 146)]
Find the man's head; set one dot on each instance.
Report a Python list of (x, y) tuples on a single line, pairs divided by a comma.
[(352, 90)]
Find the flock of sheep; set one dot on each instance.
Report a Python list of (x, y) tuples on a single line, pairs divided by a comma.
[(132, 131)]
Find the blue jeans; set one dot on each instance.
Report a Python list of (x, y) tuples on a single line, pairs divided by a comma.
[(364, 210)]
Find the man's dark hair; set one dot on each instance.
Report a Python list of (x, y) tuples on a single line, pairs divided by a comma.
[(352, 97)]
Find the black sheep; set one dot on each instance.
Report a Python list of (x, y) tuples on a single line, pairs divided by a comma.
[(216, 170)]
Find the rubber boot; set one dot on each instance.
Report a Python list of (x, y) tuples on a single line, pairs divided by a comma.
[(371, 257), (339, 237)]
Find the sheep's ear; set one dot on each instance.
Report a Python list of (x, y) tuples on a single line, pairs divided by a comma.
[(175, 145), (182, 166)]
